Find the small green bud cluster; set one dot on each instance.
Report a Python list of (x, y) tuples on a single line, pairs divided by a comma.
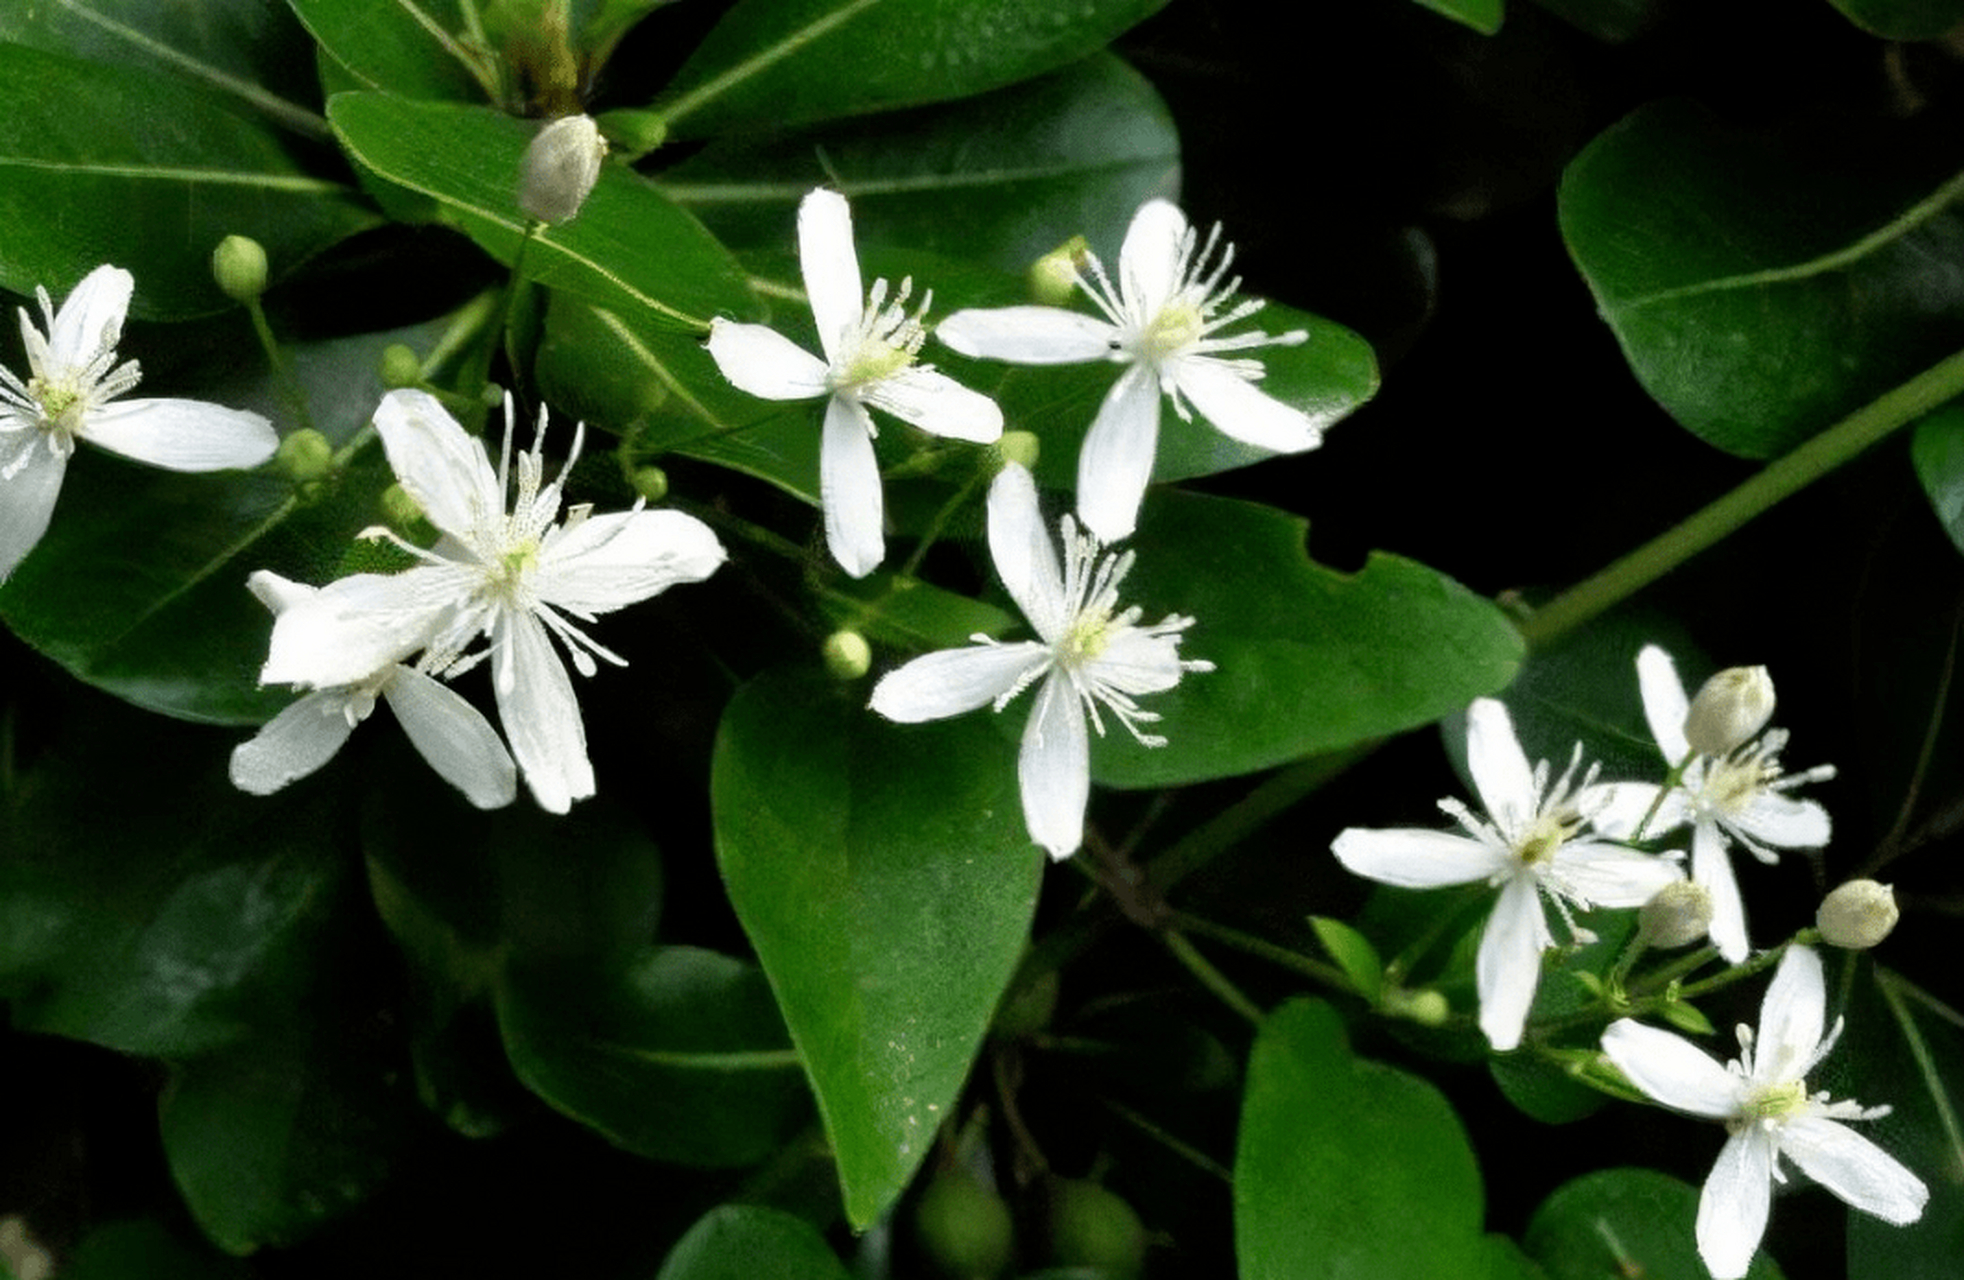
[(304, 456), (847, 655), (238, 265)]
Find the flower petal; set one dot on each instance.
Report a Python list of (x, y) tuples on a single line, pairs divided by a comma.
[(937, 404), (1672, 1070), (1791, 1018), (831, 269), (1138, 661), (1054, 768), (1499, 767), (27, 500), (440, 465), (459, 743), (90, 319), (1028, 335), (605, 562), (849, 488), (1240, 409), (1025, 557), (1414, 858), (1854, 1168), (358, 625), (1608, 875), (1664, 702), (951, 681), (1115, 464), (1149, 261), (1617, 809), (765, 363), (1732, 1209), (182, 435), (293, 743), (1711, 866), (541, 716), (1508, 967), (276, 593), (1783, 822)]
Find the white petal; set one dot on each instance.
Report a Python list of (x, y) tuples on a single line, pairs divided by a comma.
[(1732, 1209), (1028, 335), (831, 268), (1609, 875), (1499, 767), (849, 488), (937, 404), (182, 435), (27, 501), (1414, 858), (1791, 1018), (605, 562), (1664, 702), (276, 593), (1617, 808), (951, 681), (440, 465), (1711, 866), (1241, 409), (765, 363), (542, 717), (1025, 557), (293, 743), (1149, 261), (1854, 1168), (1054, 768), (358, 625), (1783, 822), (1508, 967), (1672, 1070), (1138, 662), (459, 743), (90, 319), (1115, 464)]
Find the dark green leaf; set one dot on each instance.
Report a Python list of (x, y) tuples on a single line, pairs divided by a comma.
[(1938, 452), (749, 1242), (887, 884), (912, 615), (414, 50), (145, 1250), (1482, 15), (1623, 1222), (1613, 21), (1903, 19)]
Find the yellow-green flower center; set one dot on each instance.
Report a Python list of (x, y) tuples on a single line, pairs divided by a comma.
[(1177, 327), (1774, 1101), (1087, 638), (1539, 842), (1732, 783), (60, 405), (511, 567), (875, 360)]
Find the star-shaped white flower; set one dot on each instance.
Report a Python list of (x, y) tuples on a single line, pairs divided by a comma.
[(1088, 651), (1163, 319), (458, 742), (1535, 840), (870, 349), (1763, 1101), (73, 378), (1738, 796), (512, 576)]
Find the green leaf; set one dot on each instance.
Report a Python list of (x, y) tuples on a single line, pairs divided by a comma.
[(749, 1242), (1354, 954), (887, 884), (1623, 1222), (1306, 659), (1348, 1168), (1937, 449), (912, 615), (1769, 286), (631, 249), (143, 1249), (1482, 15), (151, 176), (414, 49), (1903, 19), (1611, 21), (770, 63)]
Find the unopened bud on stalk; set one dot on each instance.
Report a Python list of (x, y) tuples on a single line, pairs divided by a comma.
[(1019, 447), (1426, 1007), (238, 264), (1734, 705), (401, 367), (403, 513), (1053, 277), (560, 168), (304, 455), (1857, 915), (651, 483), (1676, 915), (847, 655)]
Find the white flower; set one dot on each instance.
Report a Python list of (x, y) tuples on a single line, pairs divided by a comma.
[(870, 347), (458, 742), (1738, 796), (1088, 651), (1533, 841), (510, 576), (1762, 1098), (1161, 320), (72, 379)]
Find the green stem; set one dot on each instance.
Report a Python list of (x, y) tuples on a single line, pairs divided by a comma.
[(1315, 970), (1780, 479), (1210, 977), (937, 526), (282, 368)]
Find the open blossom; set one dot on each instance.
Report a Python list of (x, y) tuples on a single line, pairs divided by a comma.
[(1088, 651), (1741, 795), (1163, 321), (513, 576), (71, 394), (1762, 1099), (1535, 840), (458, 742), (870, 349)]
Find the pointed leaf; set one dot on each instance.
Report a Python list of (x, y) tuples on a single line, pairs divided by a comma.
[(1937, 449), (1353, 953), (408, 48), (1482, 15)]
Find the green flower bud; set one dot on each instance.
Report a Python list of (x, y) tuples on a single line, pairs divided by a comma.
[(304, 456), (1734, 705), (1857, 915), (1053, 277), (1676, 915), (238, 264), (1092, 1227), (651, 483), (402, 512), (560, 168), (1427, 1008), (634, 132), (963, 1228), (401, 367), (847, 655), (1019, 447)]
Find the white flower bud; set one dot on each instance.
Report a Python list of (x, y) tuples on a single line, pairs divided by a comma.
[(1857, 915), (1676, 915), (560, 168), (847, 655), (1734, 705)]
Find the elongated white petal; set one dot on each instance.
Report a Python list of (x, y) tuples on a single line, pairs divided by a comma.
[(765, 363), (605, 562), (1609, 875), (1025, 557), (1138, 662), (1732, 1209), (459, 743), (542, 717), (358, 625), (1414, 858), (27, 499), (90, 319), (182, 435), (276, 593), (1854, 1168), (1054, 768), (937, 404), (1115, 464), (849, 488), (1672, 1070), (1617, 809), (1241, 409), (1149, 261), (1028, 335), (1500, 769), (830, 265), (292, 744), (1783, 822), (440, 465), (1791, 1018), (1508, 967), (1711, 866), (951, 681), (1664, 702)]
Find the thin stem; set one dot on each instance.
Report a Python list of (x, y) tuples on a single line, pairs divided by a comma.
[(937, 526), (290, 386), (1894, 987), (1671, 780), (1315, 970), (1210, 977), (1892, 845)]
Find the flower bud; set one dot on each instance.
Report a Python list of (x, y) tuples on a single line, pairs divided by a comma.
[(560, 168), (238, 264), (403, 513), (1676, 915), (1857, 915), (1426, 1007), (1093, 1228), (305, 455), (651, 483), (1053, 277), (634, 132), (964, 1228), (1734, 705), (401, 367), (847, 655), (1019, 447)]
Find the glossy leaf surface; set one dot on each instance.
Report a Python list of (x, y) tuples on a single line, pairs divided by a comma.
[(751, 1242), (401, 48)]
